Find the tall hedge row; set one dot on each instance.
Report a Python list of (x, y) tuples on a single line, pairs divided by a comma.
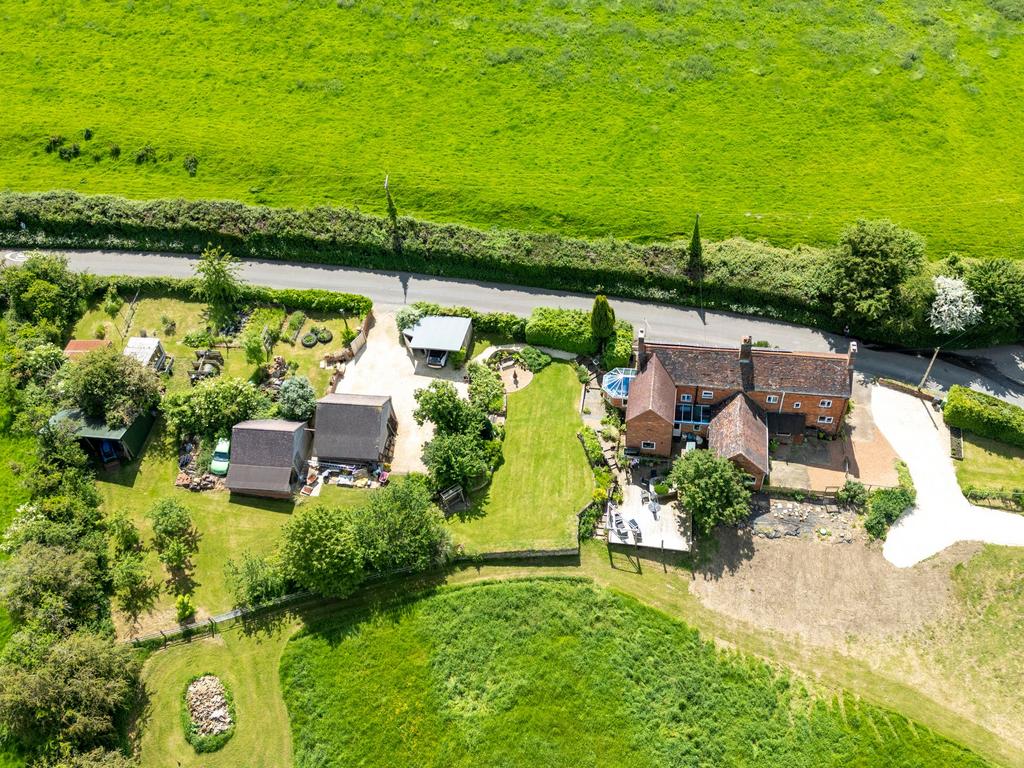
[(739, 275), (567, 329), (497, 323), (619, 348), (310, 299), (984, 415)]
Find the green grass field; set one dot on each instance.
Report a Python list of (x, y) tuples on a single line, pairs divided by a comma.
[(990, 464), (544, 481), (559, 673), (779, 120)]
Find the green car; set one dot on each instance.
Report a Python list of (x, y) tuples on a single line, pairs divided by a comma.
[(219, 463)]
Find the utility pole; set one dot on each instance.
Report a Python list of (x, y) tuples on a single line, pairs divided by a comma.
[(928, 370)]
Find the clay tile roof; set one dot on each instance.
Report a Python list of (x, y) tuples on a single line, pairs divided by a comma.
[(652, 391), (738, 430), (770, 370)]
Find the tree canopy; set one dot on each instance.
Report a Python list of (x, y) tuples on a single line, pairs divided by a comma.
[(602, 318), (321, 551), (213, 406), (219, 284), (401, 527), (441, 404), (297, 399), (872, 266), (711, 488), (954, 308), (110, 386)]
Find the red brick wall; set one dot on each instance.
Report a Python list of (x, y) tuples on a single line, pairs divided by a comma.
[(809, 405), (649, 427)]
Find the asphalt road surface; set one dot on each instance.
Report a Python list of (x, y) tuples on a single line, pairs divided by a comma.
[(998, 371)]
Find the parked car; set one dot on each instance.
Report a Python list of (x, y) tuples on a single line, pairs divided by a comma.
[(620, 527), (221, 458), (436, 358)]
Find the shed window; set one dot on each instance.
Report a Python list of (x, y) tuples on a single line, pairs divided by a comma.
[(685, 398), (824, 419), (648, 445), (707, 394), (796, 406), (772, 399), (825, 404)]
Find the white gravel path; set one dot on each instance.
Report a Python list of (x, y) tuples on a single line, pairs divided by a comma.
[(942, 516)]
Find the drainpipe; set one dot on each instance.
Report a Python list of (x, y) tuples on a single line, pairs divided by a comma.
[(782, 401)]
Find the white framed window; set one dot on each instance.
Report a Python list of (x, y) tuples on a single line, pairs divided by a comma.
[(648, 445), (686, 398), (707, 394), (772, 399), (824, 403), (824, 419), (796, 405)]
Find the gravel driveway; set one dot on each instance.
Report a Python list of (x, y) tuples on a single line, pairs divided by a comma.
[(942, 516), (385, 367)]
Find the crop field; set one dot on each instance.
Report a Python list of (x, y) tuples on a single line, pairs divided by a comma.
[(780, 120), (560, 673)]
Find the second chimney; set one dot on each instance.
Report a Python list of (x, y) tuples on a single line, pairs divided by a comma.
[(641, 349), (745, 346)]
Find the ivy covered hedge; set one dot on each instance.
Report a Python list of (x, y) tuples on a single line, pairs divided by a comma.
[(740, 276), (566, 329), (984, 415)]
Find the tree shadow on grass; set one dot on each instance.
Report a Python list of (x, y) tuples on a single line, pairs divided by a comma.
[(725, 552)]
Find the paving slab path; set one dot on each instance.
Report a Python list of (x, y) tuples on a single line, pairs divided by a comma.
[(942, 516)]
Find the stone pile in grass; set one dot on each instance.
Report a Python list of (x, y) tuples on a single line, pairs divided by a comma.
[(208, 706)]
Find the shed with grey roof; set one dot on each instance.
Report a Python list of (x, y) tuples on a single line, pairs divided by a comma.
[(439, 334), (268, 457), (354, 428)]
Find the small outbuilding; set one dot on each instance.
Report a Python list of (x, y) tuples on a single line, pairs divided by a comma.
[(354, 429), (110, 445), (268, 457), (437, 336), (78, 347), (148, 351)]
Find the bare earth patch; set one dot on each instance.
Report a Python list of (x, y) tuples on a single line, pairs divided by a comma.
[(826, 595)]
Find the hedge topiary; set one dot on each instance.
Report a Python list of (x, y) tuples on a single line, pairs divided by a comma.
[(984, 415)]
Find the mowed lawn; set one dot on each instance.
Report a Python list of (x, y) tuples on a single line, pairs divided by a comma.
[(544, 481), (990, 464), (562, 673), (227, 525), (782, 120)]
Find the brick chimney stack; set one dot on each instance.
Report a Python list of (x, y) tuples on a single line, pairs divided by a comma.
[(641, 349), (851, 354), (745, 346)]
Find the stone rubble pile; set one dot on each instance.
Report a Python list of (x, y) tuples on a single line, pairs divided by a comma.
[(208, 706)]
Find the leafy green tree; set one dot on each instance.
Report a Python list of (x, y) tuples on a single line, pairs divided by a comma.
[(998, 286), (36, 571), (185, 608), (95, 758), (43, 291), (212, 407), (176, 554), (123, 533), (486, 389), (257, 346), (254, 579), (69, 691), (321, 551), (112, 302), (873, 266), (602, 318), (696, 251), (440, 403), (401, 527), (455, 459), (711, 488), (219, 284), (297, 399), (107, 385), (171, 521), (134, 590)]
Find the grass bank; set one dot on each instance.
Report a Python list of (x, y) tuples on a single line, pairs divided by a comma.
[(591, 118), (990, 465), (561, 673), (544, 480)]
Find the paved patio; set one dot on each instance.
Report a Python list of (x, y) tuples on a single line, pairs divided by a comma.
[(667, 527)]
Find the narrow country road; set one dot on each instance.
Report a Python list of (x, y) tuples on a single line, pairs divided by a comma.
[(390, 290)]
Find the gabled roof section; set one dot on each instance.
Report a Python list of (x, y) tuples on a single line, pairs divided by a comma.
[(739, 431), (770, 370), (264, 442), (78, 347), (652, 391), (351, 426)]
